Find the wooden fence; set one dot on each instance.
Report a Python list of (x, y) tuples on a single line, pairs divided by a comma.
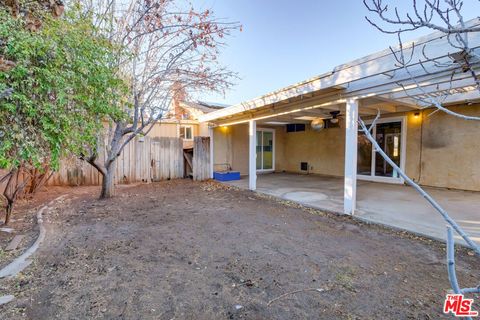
[(201, 158), (144, 159)]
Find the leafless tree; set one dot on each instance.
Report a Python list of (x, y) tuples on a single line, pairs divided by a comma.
[(163, 46), (445, 16), (461, 64)]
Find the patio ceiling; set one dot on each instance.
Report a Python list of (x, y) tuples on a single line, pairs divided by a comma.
[(368, 107)]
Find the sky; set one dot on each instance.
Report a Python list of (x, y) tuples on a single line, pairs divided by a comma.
[(287, 41)]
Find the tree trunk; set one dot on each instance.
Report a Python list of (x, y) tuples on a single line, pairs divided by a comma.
[(8, 212), (11, 192), (108, 186)]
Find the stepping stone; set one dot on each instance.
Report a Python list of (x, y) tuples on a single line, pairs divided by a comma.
[(7, 230), (6, 299), (15, 242)]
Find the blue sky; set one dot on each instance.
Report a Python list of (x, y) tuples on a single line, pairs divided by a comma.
[(287, 41)]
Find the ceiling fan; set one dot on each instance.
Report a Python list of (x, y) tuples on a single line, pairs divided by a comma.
[(335, 117), (333, 120)]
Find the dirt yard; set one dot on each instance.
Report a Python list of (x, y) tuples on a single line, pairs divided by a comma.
[(185, 250)]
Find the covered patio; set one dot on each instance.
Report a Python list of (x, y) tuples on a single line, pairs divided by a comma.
[(396, 206), (311, 129)]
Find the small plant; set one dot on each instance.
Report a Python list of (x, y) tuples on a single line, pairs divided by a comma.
[(345, 278)]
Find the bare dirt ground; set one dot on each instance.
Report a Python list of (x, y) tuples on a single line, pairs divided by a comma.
[(23, 221), (185, 250)]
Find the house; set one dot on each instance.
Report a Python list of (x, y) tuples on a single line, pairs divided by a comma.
[(311, 128), (181, 121)]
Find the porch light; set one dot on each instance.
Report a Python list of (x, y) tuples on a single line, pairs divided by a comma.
[(416, 115)]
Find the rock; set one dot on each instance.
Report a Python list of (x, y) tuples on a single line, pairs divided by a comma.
[(7, 230), (15, 242), (6, 299)]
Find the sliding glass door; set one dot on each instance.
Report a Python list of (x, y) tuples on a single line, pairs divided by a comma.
[(390, 136), (265, 151)]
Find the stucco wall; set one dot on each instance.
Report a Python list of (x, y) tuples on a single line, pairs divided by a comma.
[(231, 147), (441, 151), (323, 150), (240, 148), (163, 130), (170, 129), (222, 148)]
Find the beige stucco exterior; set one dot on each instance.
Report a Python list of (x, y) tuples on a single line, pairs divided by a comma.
[(171, 128), (441, 150), (447, 152), (183, 114)]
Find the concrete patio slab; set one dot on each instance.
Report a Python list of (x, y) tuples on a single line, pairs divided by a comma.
[(393, 205)]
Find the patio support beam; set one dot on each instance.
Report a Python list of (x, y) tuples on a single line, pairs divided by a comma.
[(252, 154), (351, 136), (212, 158)]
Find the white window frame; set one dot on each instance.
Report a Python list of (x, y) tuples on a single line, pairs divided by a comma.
[(183, 127), (273, 149), (403, 152)]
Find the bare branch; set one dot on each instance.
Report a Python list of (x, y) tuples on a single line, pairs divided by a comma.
[(162, 47), (419, 189)]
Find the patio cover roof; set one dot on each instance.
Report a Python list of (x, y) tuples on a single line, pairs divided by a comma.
[(377, 80)]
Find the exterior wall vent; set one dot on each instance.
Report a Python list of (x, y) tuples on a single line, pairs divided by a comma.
[(304, 166)]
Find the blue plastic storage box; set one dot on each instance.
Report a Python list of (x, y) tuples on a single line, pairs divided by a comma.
[(226, 175)]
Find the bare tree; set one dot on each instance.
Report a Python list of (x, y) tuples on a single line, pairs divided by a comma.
[(461, 61), (163, 46), (460, 64)]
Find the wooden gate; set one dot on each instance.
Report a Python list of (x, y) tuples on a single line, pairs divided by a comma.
[(167, 158), (201, 158)]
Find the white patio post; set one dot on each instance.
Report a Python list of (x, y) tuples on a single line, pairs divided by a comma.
[(212, 159), (252, 154), (351, 136)]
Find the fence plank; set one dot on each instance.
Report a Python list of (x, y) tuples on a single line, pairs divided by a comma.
[(201, 158), (154, 159)]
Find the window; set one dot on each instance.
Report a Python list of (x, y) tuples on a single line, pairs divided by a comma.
[(295, 127), (186, 132)]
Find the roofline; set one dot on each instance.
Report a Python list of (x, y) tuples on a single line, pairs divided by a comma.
[(282, 94), (176, 121)]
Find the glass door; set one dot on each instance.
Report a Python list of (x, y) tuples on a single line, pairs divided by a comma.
[(388, 136), (364, 155), (265, 153), (370, 164)]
